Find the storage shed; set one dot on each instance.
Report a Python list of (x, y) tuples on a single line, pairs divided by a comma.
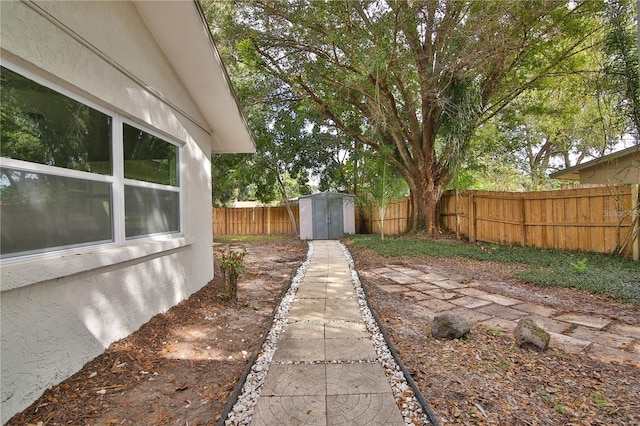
[(326, 216)]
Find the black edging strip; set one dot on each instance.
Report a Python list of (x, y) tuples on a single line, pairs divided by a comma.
[(431, 415), (233, 398)]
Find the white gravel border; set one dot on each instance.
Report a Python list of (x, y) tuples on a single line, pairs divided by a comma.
[(244, 408)]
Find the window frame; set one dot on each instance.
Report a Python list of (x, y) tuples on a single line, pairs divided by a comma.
[(116, 180)]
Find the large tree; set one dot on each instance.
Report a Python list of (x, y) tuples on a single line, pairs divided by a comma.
[(412, 77)]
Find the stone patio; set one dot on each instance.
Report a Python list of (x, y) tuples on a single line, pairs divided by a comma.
[(596, 336)]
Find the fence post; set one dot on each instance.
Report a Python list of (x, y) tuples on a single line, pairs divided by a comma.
[(524, 221), (268, 220), (635, 217), (472, 219)]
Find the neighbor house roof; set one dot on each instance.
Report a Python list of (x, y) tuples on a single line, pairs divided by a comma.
[(179, 24), (620, 167)]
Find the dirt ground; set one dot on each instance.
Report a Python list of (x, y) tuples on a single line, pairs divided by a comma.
[(182, 366)]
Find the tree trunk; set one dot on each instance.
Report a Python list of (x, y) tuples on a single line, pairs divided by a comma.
[(285, 199), (425, 196)]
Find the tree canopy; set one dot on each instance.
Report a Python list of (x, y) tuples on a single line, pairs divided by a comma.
[(412, 78)]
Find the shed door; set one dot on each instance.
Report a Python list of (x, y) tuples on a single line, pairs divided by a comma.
[(327, 218)]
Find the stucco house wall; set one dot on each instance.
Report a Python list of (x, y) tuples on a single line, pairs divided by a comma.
[(61, 309)]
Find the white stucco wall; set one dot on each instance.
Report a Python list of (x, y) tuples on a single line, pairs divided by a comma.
[(61, 312)]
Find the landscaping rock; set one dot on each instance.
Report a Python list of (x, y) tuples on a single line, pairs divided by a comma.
[(449, 326), (529, 335)]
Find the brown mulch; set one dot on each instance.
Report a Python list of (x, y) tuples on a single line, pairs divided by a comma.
[(182, 366), (485, 378)]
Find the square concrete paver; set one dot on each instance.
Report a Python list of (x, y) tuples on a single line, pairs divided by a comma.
[(307, 309), (300, 350), (290, 411), (470, 302), (363, 410), (345, 330), (550, 324), (303, 330), (342, 310), (339, 290), (347, 379), (349, 349), (295, 380), (587, 320), (312, 291)]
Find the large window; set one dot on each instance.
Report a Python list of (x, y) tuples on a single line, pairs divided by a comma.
[(60, 183), (152, 207)]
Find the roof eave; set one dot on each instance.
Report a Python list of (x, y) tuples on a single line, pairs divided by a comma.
[(175, 25)]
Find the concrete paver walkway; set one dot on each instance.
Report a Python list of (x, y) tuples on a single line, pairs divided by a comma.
[(598, 337), (324, 370)]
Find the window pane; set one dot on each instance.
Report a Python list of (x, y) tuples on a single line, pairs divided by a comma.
[(42, 126), (150, 211), (149, 158), (40, 211)]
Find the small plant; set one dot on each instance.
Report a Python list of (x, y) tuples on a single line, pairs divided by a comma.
[(580, 265), (598, 399), (232, 266)]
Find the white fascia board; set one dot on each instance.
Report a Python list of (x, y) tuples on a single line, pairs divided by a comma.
[(183, 35)]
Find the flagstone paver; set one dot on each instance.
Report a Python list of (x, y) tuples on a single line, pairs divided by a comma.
[(470, 302), (442, 294), (571, 331), (588, 320), (536, 309), (602, 337), (625, 330), (503, 312), (499, 299)]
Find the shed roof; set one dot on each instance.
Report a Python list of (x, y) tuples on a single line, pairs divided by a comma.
[(618, 167), (179, 24)]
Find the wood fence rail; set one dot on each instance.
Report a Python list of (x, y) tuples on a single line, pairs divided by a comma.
[(590, 219)]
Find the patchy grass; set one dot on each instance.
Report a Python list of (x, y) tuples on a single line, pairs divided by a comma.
[(612, 276)]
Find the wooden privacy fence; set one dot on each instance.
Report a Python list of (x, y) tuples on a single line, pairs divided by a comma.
[(591, 219), (275, 220), (253, 220), (395, 221)]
